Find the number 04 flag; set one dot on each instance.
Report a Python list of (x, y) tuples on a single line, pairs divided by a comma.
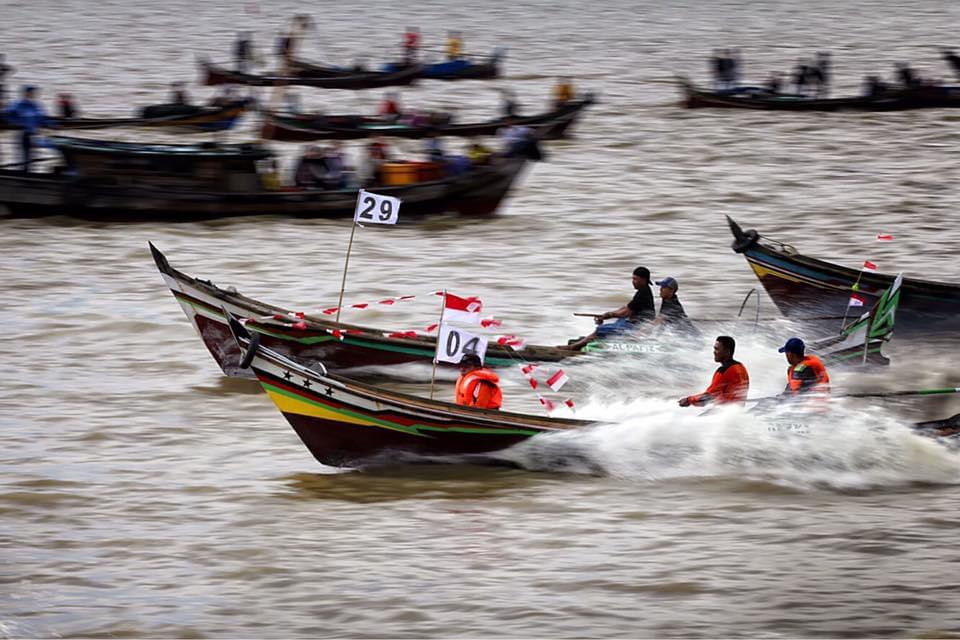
[(372, 208)]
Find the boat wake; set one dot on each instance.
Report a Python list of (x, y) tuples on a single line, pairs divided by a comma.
[(851, 449)]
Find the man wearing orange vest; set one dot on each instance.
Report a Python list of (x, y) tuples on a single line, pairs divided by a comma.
[(806, 373), (730, 381), (477, 386)]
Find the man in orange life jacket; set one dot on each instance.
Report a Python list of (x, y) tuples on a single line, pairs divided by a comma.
[(806, 373), (730, 381), (477, 386)]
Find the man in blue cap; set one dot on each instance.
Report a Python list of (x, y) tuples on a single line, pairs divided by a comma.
[(27, 114), (806, 373), (671, 313)]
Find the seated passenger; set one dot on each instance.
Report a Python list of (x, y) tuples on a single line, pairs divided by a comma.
[(390, 108), (478, 154), (477, 386), (311, 169), (730, 382), (671, 313)]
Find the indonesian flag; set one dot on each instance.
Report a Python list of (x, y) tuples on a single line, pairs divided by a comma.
[(557, 380), (884, 237), (457, 309), (869, 266), (856, 300)]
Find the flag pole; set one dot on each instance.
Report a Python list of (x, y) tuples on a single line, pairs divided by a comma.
[(443, 307), (855, 287), (346, 263)]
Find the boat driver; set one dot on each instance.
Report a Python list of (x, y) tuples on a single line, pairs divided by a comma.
[(806, 373), (640, 309)]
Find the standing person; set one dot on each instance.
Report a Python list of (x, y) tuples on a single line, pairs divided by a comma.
[(806, 373), (477, 386), (454, 45), (824, 65), (640, 309), (730, 382), (390, 107), (5, 70), (243, 51), (66, 107), (562, 92), (948, 54), (411, 45), (671, 313), (28, 114)]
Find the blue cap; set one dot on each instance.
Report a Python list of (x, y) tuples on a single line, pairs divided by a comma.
[(669, 282), (793, 345)]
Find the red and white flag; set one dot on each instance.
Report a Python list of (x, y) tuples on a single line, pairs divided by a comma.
[(869, 266), (884, 237), (557, 380), (486, 323), (457, 309), (549, 404), (856, 300)]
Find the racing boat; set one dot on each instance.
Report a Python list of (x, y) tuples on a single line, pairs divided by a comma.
[(345, 423)]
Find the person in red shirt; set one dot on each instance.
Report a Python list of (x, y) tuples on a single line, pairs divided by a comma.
[(730, 381), (390, 107)]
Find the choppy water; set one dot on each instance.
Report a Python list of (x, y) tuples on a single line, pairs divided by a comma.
[(144, 495)]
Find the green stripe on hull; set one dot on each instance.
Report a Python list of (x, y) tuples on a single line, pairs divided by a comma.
[(414, 429)]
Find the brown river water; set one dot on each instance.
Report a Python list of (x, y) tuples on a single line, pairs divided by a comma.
[(145, 495)]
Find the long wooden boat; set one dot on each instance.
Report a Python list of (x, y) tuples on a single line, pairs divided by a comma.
[(303, 128), (310, 338), (345, 423), (182, 117), (217, 75), (127, 181), (804, 287), (203, 303), (897, 99), (460, 69)]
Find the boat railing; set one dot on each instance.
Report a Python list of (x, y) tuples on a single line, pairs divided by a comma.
[(782, 247)]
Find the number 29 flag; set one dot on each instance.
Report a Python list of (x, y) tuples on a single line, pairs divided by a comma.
[(373, 208)]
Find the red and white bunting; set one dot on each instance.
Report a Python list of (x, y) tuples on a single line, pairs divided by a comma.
[(569, 403), (511, 341), (885, 237), (548, 404), (869, 266), (402, 334), (856, 300), (528, 369), (486, 323), (330, 311), (431, 328), (300, 326), (557, 380)]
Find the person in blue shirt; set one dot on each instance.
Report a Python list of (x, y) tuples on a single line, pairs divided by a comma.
[(27, 114)]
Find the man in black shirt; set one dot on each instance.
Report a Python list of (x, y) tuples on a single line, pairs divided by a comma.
[(639, 309)]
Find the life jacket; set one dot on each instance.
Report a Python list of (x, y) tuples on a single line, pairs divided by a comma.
[(797, 375), (479, 388), (729, 385)]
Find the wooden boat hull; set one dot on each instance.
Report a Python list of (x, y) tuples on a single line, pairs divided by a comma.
[(549, 126), (449, 70), (804, 287), (215, 75), (203, 303), (928, 97), (346, 423), (477, 193), (204, 119)]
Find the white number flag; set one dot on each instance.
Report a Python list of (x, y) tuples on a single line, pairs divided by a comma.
[(453, 343), (373, 208)]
